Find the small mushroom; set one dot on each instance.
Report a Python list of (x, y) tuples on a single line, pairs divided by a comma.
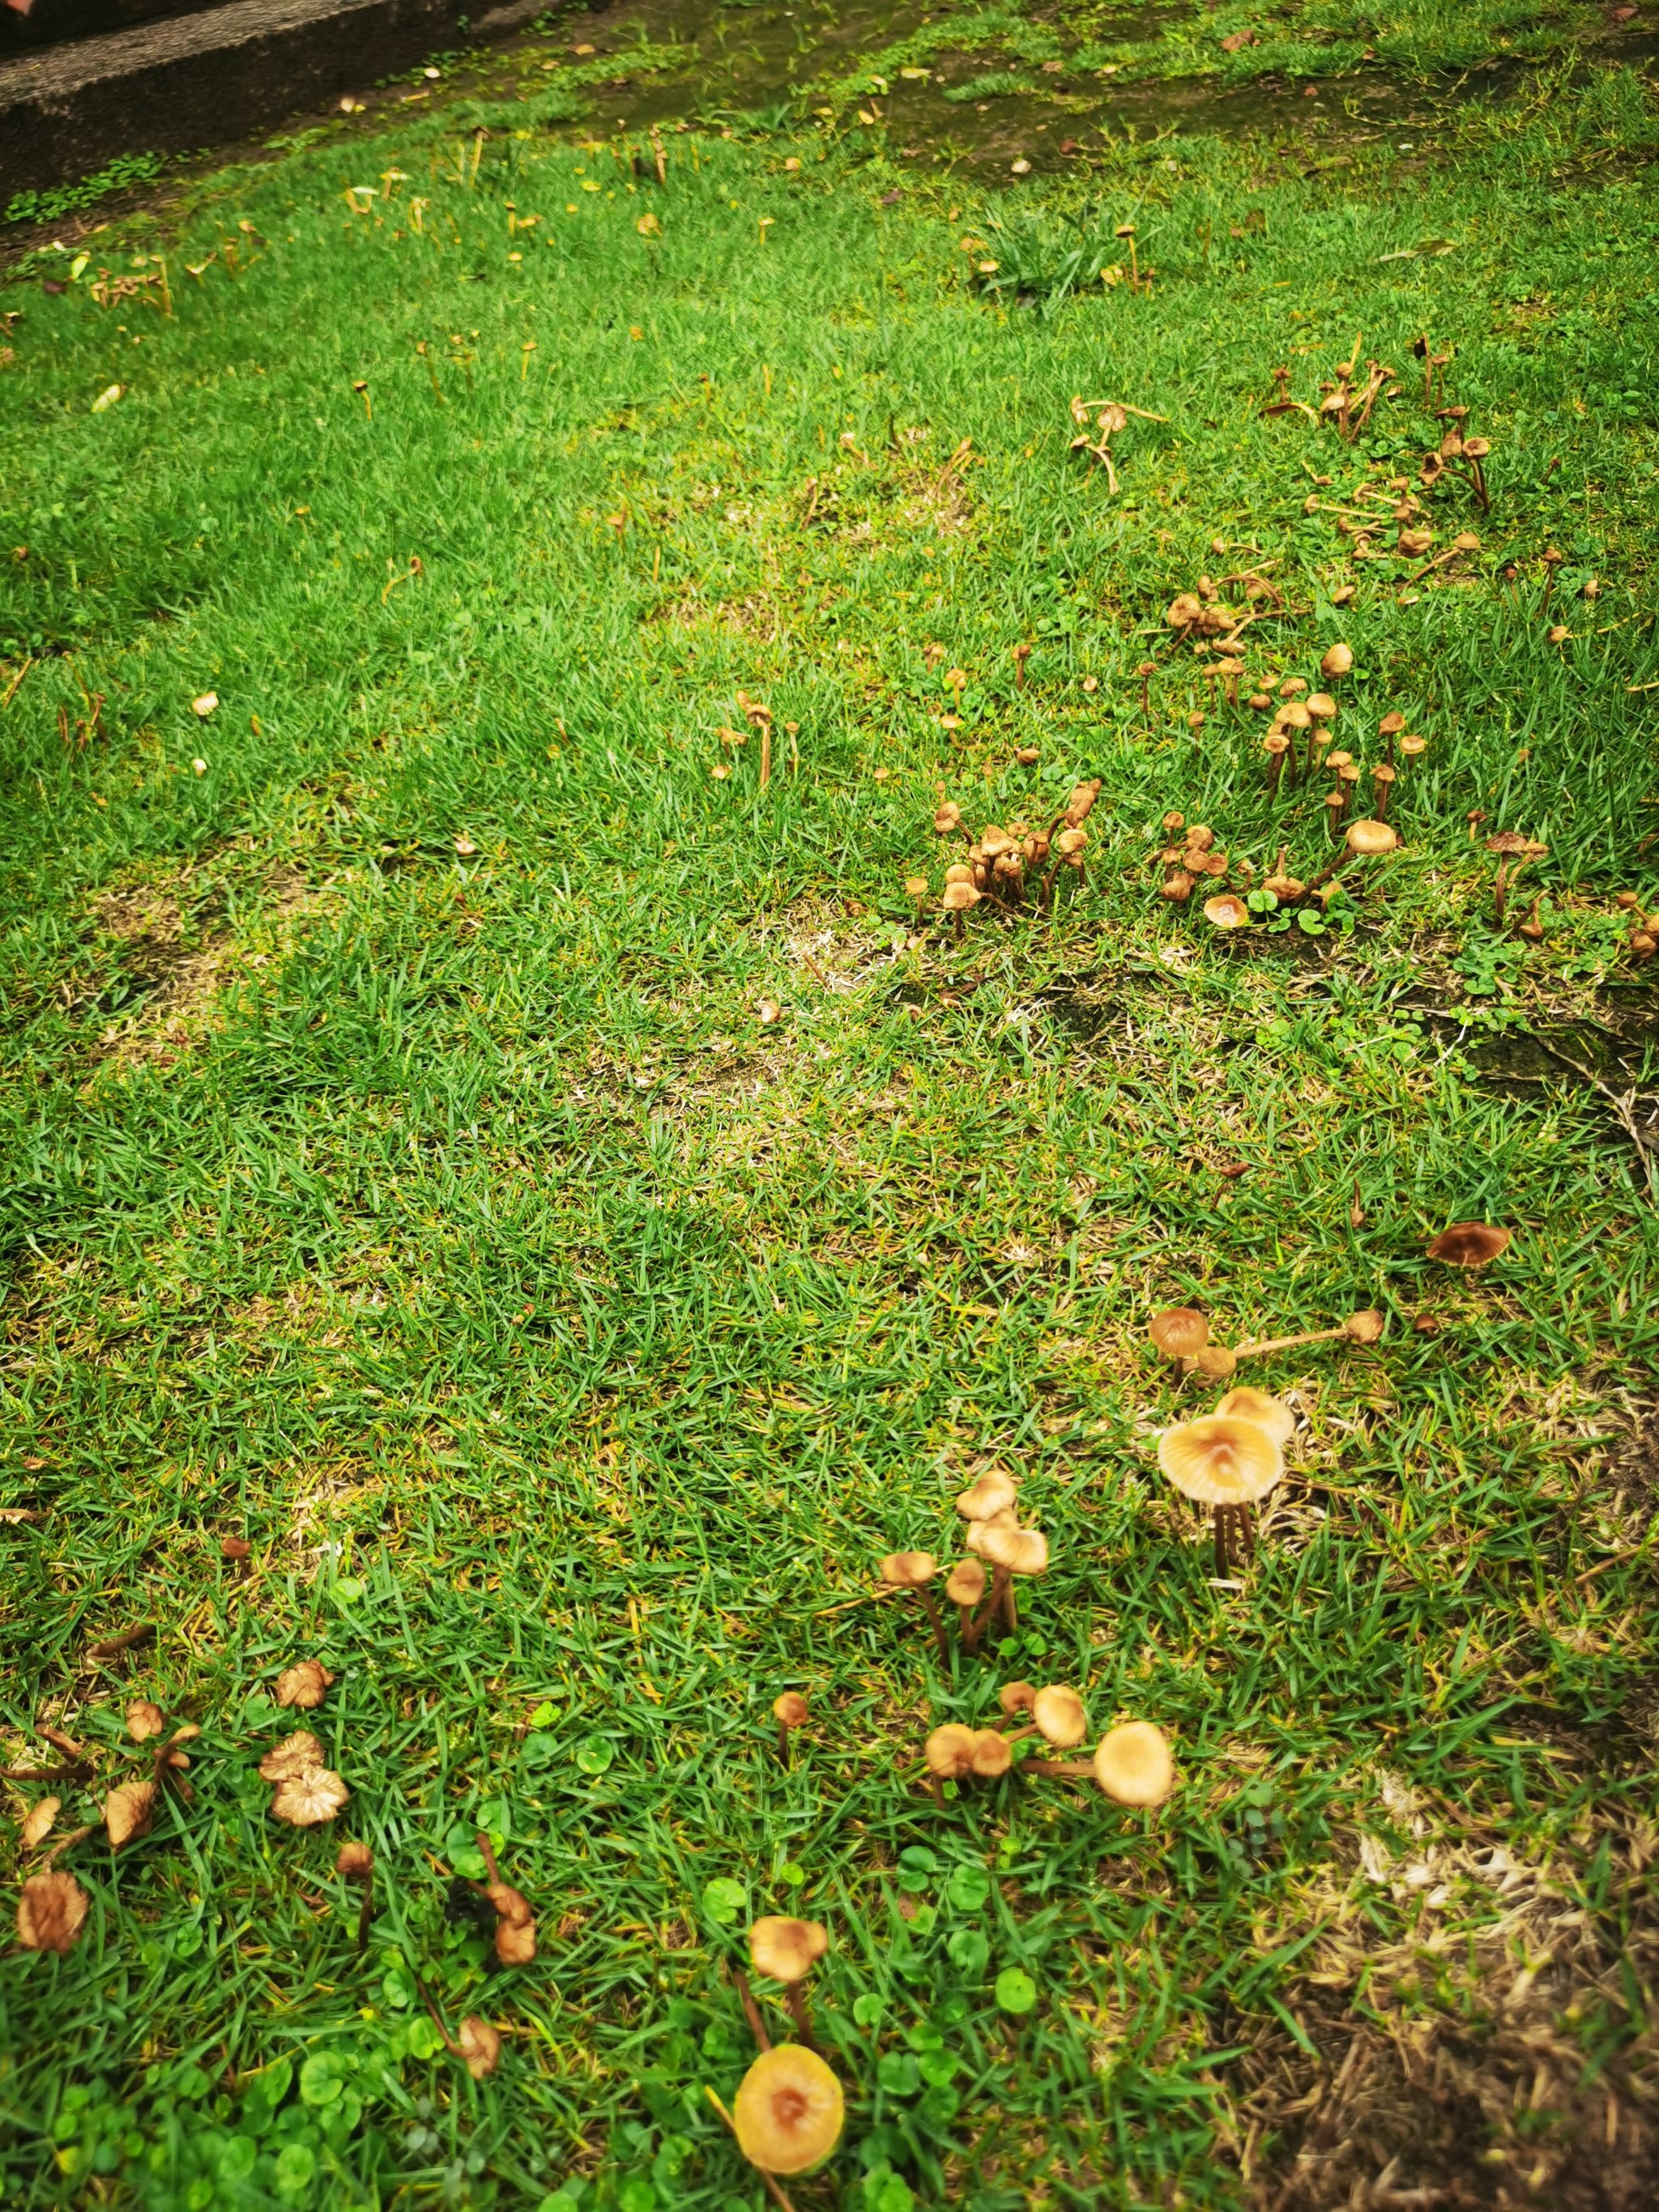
[(991, 1755), (1227, 1464), (144, 1720), (1470, 1244), (354, 1862), (1227, 912), (1273, 1414), (957, 899), (515, 1924), (37, 1822), (1336, 662), (50, 1912), (790, 1713), (304, 1685), (949, 1753), (1059, 1716), (965, 1586), (1017, 1697), (307, 1800), (479, 2045), (915, 1571), (1010, 1552), (1363, 1327), (1178, 1332), (948, 818), (789, 2110), (294, 1755), (128, 1811), (1133, 1764), (786, 1951)]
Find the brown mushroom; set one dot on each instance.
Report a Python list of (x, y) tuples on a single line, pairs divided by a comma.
[(965, 1586), (1010, 1552), (304, 1685), (50, 1912), (1178, 1332), (1227, 1464), (786, 1951), (1273, 1414), (354, 1862), (1470, 1244), (1133, 1765), (790, 1713), (915, 1571)]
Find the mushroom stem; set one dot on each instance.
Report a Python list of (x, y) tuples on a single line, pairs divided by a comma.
[(765, 755), (998, 1600), (751, 2010), (783, 1745), (1501, 886), (366, 1910), (450, 2045), (796, 1996), (1289, 1343), (965, 1627), (940, 1642), (1078, 1768), (773, 2189), (934, 1792), (1234, 1539)]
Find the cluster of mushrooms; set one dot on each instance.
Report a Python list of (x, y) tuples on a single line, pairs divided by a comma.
[(1196, 857), (1131, 1765), (990, 1507), (1006, 867)]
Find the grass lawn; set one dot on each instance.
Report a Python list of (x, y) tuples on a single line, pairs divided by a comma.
[(544, 1192)]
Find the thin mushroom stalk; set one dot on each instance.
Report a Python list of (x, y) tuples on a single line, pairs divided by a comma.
[(1234, 1539), (1363, 1328), (751, 2011)]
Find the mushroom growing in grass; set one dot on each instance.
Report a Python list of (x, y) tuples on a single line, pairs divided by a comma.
[(515, 1924), (1365, 840), (1273, 1414), (1133, 1764), (1059, 1716), (958, 898), (1178, 1332), (787, 2114), (1227, 912), (51, 1911), (1364, 1327), (965, 1586), (1470, 1244), (1336, 662), (1011, 1552), (954, 1753), (786, 1950), (356, 1863), (1227, 1464), (790, 1713), (913, 1571), (305, 1793)]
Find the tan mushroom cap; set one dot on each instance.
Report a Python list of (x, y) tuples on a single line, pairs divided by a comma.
[(790, 1710), (1322, 707), (309, 1799), (1371, 837), (479, 2045), (991, 1755), (1470, 1244), (1215, 1360), (1060, 1716), (295, 1754), (786, 1949), (907, 1569), (1338, 661), (1364, 1327), (50, 1912), (1133, 1765), (1178, 1331), (993, 1492), (1017, 1697), (353, 1859), (966, 1584), (788, 2111), (949, 1752), (1267, 1413), (1022, 1551), (143, 1720), (958, 897), (948, 817), (1226, 912), (1220, 1460), (998, 1525), (128, 1812)]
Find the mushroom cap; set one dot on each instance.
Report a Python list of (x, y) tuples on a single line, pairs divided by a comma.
[(1296, 716), (958, 897), (1226, 911), (1133, 1765), (295, 1754), (1470, 1244), (1410, 745), (991, 1754), (1022, 1551), (949, 1751), (1060, 1716), (958, 872), (1273, 1414), (50, 1911), (915, 887), (303, 1685), (1391, 724), (1338, 661), (1220, 1460), (355, 1858), (790, 1710), (1215, 1360), (948, 817), (995, 1524), (789, 2110), (1371, 837), (479, 2045), (994, 1491), (128, 1811), (907, 1569), (1178, 1331), (786, 1949), (143, 1720), (1200, 837), (1275, 742), (1321, 706), (1016, 1697), (307, 1800), (1071, 841), (1363, 1326), (966, 1582)]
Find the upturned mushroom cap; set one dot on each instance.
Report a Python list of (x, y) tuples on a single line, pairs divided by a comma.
[(966, 1582), (1226, 911), (994, 1491), (998, 1525), (50, 1912), (1370, 838), (1178, 1331), (786, 1949), (1364, 1327), (1016, 1697), (1338, 661), (1470, 1244), (991, 1754), (789, 1711), (789, 2110), (907, 1569), (1060, 1716), (1022, 1551), (310, 1798), (949, 1752), (1133, 1765), (1220, 1460), (295, 1754), (1270, 1413)]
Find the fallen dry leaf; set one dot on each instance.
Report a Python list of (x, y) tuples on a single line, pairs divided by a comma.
[(307, 1800), (143, 1720), (480, 2045), (50, 1912), (37, 1822), (303, 1685), (296, 1754), (128, 1811)]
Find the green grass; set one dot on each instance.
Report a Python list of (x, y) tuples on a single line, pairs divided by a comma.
[(569, 1343)]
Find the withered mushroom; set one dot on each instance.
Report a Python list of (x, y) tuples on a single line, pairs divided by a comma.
[(128, 1811), (51, 1910), (304, 1685)]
